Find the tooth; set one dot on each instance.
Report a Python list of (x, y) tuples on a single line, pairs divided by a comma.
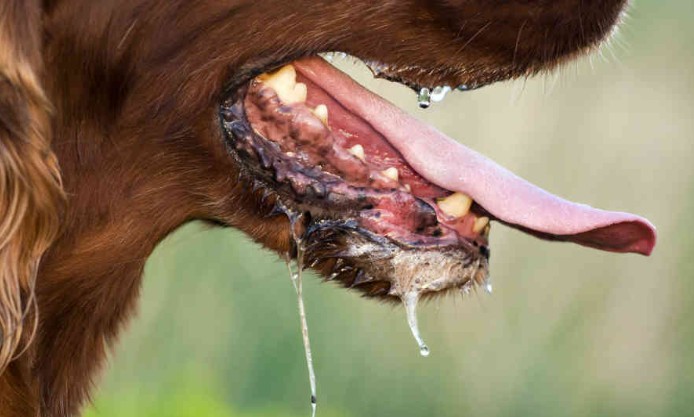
[(455, 205), (480, 224), (287, 74), (358, 151), (321, 112), (391, 173), (283, 81), (408, 188), (298, 95)]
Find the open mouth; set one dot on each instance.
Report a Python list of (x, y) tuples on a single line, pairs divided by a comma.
[(388, 204)]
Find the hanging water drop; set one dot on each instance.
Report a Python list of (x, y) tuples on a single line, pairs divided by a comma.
[(488, 284), (424, 98), (462, 87), (439, 93), (410, 301)]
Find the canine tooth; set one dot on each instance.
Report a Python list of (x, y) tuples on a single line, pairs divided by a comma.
[(299, 94), (283, 77), (358, 151), (391, 173), (480, 224), (283, 81), (321, 111), (455, 205)]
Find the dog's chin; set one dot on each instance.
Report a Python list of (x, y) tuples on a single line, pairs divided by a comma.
[(379, 201)]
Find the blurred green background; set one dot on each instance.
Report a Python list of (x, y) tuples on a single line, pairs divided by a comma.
[(568, 331)]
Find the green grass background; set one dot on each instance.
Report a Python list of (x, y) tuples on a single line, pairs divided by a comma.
[(568, 331)]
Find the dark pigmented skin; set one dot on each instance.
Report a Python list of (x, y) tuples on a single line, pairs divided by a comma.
[(133, 88)]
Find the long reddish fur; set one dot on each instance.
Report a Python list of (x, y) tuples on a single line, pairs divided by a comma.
[(123, 96)]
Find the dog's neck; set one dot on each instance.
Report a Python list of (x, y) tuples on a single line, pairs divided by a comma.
[(89, 280)]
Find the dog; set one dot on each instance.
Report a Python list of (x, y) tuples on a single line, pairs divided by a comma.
[(122, 120)]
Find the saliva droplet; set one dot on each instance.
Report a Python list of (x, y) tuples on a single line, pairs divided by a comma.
[(439, 93), (488, 284), (424, 350), (424, 98), (410, 301)]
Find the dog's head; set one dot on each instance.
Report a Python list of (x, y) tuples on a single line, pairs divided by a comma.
[(224, 111)]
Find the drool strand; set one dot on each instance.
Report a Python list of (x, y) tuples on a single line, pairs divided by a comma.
[(410, 301), (297, 282)]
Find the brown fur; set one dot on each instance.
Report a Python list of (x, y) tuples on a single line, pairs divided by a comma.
[(134, 86)]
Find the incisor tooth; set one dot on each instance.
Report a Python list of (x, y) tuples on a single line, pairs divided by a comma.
[(321, 112), (480, 224), (391, 173), (358, 151), (283, 81), (455, 205)]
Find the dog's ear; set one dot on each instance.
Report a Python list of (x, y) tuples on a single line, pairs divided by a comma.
[(31, 195)]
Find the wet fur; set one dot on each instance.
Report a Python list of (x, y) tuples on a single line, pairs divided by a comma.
[(128, 93)]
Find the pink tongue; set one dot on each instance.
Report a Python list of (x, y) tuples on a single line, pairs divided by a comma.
[(453, 166)]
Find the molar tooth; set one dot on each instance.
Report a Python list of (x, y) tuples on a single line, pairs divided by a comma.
[(358, 151), (391, 173), (480, 224), (283, 81), (321, 111), (455, 205)]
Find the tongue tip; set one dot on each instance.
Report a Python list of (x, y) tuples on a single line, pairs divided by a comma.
[(632, 236), (646, 244)]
